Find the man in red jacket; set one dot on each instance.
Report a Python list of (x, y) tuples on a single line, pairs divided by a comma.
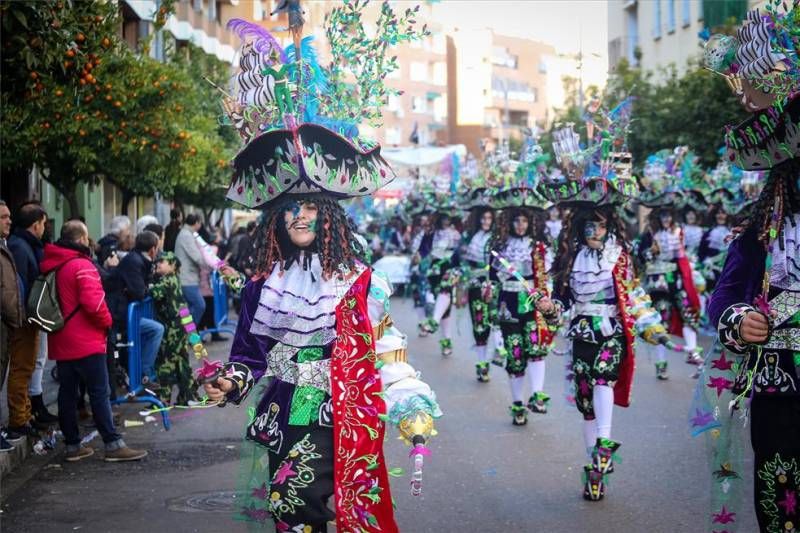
[(79, 348)]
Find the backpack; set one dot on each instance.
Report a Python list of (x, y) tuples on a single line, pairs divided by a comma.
[(42, 307)]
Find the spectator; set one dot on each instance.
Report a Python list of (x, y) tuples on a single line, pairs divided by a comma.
[(245, 252), (233, 246), (12, 313), (191, 260), (26, 246), (172, 229), (134, 274), (144, 221), (117, 241), (158, 229), (79, 348)]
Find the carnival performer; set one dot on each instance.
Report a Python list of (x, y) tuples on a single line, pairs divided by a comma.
[(520, 247), (443, 274), (692, 232), (714, 246), (476, 260), (756, 302), (421, 246), (554, 225), (670, 284), (593, 278), (315, 318)]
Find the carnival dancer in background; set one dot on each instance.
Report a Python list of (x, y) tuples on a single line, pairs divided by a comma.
[(593, 277), (668, 273), (692, 232), (443, 274), (756, 302), (714, 245), (475, 261), (421, 246), (519, 267), (314, 316), (553, 224)]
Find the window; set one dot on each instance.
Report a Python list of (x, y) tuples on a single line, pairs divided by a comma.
[(671, 16), (419, 104), (212, 10), (440, 73), (419, 71), (502, 57), (542, 67), (439, 43), (657, 19), (396, 73), (393, 103), (416, 43), (197, 5), (393, 136), (440, 109), (686, 13)]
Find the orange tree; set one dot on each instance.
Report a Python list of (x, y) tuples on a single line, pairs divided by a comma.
[(79, 104)]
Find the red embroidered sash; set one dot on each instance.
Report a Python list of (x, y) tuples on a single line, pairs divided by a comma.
[(361, 483), (622, 273)]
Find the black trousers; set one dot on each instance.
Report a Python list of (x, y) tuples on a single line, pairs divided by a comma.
[(302, 476), (775, 435)]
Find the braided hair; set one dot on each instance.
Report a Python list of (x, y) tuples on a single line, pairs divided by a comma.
[(779, 198), (504, 228), (335, 241), (573, 237)]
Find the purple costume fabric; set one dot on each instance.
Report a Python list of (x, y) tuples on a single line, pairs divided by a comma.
[(740, 281)]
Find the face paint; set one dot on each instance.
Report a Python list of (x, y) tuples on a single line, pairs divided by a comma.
[(589, 229)]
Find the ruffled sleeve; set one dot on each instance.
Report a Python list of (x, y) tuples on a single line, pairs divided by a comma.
[(410, 403)]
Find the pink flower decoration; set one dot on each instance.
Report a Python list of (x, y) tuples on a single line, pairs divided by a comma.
[(209, 370), (762, 304)]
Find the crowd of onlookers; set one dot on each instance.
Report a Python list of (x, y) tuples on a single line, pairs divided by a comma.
[(95, 282)]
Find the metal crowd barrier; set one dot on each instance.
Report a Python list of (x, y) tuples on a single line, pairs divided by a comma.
[(221, 321), (136, 391)]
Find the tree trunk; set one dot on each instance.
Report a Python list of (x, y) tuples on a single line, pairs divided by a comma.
[(72, 200), (127, 196)]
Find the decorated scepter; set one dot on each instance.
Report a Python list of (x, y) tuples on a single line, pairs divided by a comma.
[(416, 430), (534, 294)]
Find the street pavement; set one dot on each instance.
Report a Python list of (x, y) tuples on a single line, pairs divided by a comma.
[(484, 474)]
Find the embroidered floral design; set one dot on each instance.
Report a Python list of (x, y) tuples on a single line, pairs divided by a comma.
[(293, 475), (778, 497)]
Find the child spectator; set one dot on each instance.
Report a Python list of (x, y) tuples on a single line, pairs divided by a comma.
[(172, 366)]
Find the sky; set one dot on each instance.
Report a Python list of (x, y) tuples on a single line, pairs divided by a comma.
[(567, 25)]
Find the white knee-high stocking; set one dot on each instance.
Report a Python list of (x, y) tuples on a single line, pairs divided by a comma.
[(603, 401), (535, 373), (441, 305), (690, 336), (516, 383)]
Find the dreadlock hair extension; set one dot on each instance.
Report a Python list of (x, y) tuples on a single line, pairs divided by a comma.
[(504, 229), (781, 193), (335, 240), (572, 238), (474, 220)]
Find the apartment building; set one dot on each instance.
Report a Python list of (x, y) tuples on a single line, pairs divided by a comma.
[(419, 114), (654, 34), (498, 86)]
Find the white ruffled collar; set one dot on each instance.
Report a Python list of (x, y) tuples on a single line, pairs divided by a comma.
[(297, 307), (597, 263)]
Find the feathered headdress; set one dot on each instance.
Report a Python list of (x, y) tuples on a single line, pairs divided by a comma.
[(597, 174), (298, 137), (762, 67)]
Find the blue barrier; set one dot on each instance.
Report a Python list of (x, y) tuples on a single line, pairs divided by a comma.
[(137, 311), (221, 321)]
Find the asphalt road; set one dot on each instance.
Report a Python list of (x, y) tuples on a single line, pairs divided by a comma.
[(485, 474)]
